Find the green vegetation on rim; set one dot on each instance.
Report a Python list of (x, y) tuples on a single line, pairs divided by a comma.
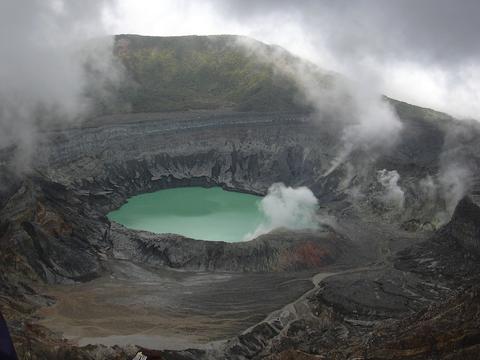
[(202, 72), (214, 72)]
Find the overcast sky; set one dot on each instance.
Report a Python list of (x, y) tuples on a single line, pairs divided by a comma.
[(422, 51)]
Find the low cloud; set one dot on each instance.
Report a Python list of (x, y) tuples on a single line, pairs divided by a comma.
[(423, 52), (43, 79), (371, 128), (359, 117)]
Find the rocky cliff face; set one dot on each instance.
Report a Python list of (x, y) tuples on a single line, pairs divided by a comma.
[(58, 236), (53, 226), (464, 228), (82, 173), (278, 251)]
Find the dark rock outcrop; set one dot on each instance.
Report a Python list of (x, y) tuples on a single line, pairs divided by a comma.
[(60, 237), (281, 250), (464, 226)]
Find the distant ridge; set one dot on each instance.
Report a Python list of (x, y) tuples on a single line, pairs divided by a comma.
[(212, 72)]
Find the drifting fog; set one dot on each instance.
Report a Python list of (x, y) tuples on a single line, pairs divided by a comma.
[(287, 207), (45, 44), (364, 120)]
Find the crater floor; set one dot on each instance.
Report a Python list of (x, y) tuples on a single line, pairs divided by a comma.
[(165, 308)]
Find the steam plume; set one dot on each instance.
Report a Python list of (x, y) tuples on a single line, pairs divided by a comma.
[(393, 195), (364, 122), (42, 74), (287, 207)]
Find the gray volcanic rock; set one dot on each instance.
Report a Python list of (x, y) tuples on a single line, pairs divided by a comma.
[(464, 226), (449, 255), (60, 237), (279, 250), (376, 294), (53, 226), (388, 285), (412, 308)]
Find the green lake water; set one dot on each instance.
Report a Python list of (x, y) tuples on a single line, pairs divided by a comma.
[(196, 212)]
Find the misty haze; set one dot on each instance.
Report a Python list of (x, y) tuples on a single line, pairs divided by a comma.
[(239, 180)]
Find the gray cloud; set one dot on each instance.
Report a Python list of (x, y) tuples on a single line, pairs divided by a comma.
[(425, 52), (368, 125), (44, 44), (438, 31)]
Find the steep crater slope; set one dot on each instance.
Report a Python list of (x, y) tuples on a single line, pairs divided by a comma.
[(54, 227), (56, 230), (94, 170)]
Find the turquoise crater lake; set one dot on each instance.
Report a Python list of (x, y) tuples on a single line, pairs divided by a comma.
[(196, 212)]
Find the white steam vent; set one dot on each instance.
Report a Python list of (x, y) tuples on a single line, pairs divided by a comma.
[(393, 195), (287, 207)]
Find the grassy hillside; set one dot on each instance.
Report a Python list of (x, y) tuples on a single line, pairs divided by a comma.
[(202, 72), (213, 72)]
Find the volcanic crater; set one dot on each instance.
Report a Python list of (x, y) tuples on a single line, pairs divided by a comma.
[(356, 286)]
